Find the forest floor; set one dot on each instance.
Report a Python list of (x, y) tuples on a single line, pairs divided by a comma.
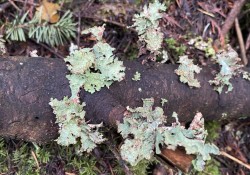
[(184, 19)]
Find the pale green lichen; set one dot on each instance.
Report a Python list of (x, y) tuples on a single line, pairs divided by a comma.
[(72, 125), (144, 131), (96, 31), (165, 57), (229, 61), (163, 101), (137, 76), (147, 25), (94, 68), (2, 45), (186, 71), (205, 46), (246, 75)]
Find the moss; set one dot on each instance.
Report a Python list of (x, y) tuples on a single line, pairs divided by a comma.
[(212, 168), (18, 159), (213, 129), (142, 167), (177, 48)]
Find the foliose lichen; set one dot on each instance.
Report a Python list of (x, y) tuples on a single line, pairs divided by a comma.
[(246, 75), (144, 130), (230, 66), (72, 125), (163, 101), (94, 68), (147, 25), (186, 71), (202, 45), (137, 76)]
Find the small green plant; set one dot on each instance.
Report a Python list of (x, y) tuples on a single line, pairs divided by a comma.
[(85, 165), (178, 49), (205, 46), (142, 167), (52, 34), (211, 168), (32, 159), (213, 130), (3, 156), (144, 130)]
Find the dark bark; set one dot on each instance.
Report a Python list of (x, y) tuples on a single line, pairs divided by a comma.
[(27, 84)]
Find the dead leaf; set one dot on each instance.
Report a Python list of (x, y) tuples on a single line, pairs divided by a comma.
[(48, 11)]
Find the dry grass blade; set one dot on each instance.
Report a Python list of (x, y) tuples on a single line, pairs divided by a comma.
[(235, 159), (35, 158), (241, 42)]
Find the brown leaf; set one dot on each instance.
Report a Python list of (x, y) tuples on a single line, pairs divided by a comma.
[(48, 11)]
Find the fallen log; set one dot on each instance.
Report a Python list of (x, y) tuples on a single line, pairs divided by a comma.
[(27, 84)]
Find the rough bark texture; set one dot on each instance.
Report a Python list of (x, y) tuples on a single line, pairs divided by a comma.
[(27, 84)]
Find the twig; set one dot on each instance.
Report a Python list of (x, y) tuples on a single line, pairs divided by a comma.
[(34, 156), (14, 5), (235, 159), (31, 3), (248, 42), (241, 42), (232, 16), (120, 161), (51, 50), (4, 6), (79, 28), (109, 21)]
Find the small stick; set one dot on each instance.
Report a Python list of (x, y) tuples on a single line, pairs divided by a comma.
[(30, 3), (4, 6), (79, 28), (120, 160), (34, 156), (48, 48), (14, 5), (232, 16), (235, 159), (241, 42), (111, 22)]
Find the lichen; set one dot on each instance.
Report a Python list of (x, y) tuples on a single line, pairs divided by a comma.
[(246, 75), (137, 76), (2, 45), (229, 61), (205, 46), (94, 68), (163, 101), (186, 71), (147, 25), (144, 131), (72, 125)]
